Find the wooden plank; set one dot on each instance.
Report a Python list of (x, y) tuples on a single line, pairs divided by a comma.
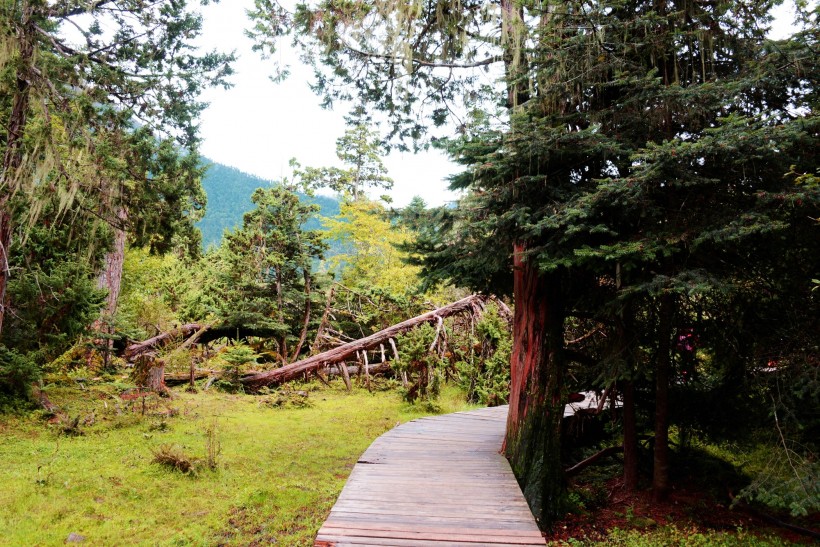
[(434, 481), (442, 536), (441, 531), (349, 541)]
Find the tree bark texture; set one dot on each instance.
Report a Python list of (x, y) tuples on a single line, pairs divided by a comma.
[(630, 437), (663, 365), (473, 303), (111, 278), (536, 407)]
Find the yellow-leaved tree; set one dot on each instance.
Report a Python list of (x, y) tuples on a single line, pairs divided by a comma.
[(370, 257)]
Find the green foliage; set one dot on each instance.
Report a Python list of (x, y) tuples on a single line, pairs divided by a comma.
[(237, 357), (151, 292), (422, 366), (371, 259), (673, 535), (17, 374), (484, 364), (53, 296), (359, 150), (788, 480)]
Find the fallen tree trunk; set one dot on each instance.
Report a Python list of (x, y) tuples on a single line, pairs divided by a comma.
[(209, 334), (199, 374), (376, 368), (473, 303), (140, 348)]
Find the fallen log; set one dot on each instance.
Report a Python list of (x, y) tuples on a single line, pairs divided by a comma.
[(209, 334), (199, 374), (474, 303), (375, 368), (135, 350), (580, 466)]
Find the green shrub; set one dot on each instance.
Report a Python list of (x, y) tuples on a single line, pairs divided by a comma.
[(17, 373), (484, 369), (424, 369)]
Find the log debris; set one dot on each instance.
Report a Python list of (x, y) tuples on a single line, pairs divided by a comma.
[(472, 304)]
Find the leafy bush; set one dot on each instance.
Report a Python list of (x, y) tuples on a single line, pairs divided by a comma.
[(424, 369), (484, 367)]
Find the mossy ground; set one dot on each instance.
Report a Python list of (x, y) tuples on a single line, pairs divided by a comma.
[(277, 476)]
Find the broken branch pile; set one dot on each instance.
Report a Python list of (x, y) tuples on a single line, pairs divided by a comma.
[(473, 304)]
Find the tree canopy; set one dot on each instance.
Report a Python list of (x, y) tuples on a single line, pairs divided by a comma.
[(645, 177)]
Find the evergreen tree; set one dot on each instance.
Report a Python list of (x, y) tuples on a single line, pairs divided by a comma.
[(642, 159), (264, 275), (80, 105)]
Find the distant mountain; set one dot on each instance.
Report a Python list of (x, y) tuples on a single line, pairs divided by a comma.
[(229, 197)]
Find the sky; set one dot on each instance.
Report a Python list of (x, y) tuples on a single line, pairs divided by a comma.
[(258, 125)]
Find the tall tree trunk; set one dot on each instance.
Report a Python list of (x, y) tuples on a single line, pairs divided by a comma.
[(536, 407), (306, 318), (13, 156), (111, 277), (626, 342), (663, 365), (630, 437)]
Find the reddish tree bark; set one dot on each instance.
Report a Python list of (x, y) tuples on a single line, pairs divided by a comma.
[(533, 436)]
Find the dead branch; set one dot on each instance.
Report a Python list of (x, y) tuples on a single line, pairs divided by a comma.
[(580, 466), (345, 351)]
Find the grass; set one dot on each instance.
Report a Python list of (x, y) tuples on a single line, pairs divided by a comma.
[(277, 473)]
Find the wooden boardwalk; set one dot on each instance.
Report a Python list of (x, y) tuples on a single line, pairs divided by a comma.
[(434, 481)]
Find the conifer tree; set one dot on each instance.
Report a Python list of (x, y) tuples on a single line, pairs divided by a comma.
[(645, 149), (81, 80)]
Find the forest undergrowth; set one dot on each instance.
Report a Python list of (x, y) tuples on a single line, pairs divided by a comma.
[(208, 468), (214, 468)]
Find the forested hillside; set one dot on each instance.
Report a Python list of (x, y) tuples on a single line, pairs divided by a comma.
[(229, 197)]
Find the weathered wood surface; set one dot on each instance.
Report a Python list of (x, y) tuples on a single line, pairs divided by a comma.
[(434, 481)]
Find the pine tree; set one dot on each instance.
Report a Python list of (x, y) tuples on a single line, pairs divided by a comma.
[(644, 150), (125, 75)]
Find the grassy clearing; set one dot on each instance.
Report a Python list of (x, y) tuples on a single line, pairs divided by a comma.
[(278, 473)]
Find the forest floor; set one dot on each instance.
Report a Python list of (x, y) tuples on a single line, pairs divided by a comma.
[(252, 470), (279, 460), (691, 516)]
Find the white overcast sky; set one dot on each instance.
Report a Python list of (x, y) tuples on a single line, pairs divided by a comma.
[(258, 125)]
